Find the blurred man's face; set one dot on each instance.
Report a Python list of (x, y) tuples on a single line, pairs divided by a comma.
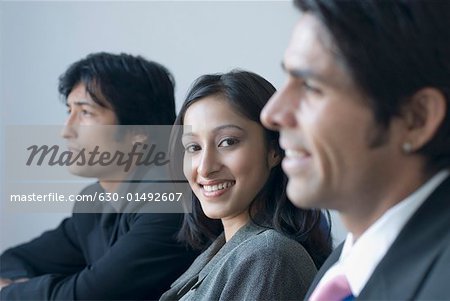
[(90, 127), (326, 129)]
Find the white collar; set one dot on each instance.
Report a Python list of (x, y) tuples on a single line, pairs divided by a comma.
[(359, 259)]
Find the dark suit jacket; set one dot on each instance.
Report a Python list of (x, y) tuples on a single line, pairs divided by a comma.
[(98, 256), (417, 265), (255, 264)]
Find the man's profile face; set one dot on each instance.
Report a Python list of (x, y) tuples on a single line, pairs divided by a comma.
[(89, 126), (325, 126)]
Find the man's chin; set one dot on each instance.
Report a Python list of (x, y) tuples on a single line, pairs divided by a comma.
[(299, 195), (82, 172)]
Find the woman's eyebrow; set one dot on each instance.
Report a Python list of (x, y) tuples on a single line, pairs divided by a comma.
[(228, 126)]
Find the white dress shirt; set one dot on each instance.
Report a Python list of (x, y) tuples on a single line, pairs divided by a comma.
[(359, 259)]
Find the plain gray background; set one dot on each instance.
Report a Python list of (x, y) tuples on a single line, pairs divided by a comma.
[(38, 41)]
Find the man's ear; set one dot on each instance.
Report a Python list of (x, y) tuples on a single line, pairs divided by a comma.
[(423, 115), (139, 138)]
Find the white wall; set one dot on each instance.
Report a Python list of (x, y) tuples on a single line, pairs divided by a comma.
[(38, 40)]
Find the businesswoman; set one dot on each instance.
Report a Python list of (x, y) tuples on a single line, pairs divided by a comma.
[(259, 246)]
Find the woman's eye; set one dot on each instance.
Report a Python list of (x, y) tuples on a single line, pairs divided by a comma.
[(191, 148), (228, 142)]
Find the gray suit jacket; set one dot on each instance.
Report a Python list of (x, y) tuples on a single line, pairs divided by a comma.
[(417, 265), (256, 264)]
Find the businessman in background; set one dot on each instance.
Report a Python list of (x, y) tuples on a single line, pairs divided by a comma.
[(364, 118), (114, 255)]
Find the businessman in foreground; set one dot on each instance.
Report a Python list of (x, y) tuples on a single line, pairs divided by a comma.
[(364, 118)]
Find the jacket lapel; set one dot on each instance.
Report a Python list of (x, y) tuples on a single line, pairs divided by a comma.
[(401, 272), (190, 277), (331, 260), (208, 260), (242, 235)]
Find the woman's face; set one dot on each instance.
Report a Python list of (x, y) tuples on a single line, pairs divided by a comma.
[(226, 160)]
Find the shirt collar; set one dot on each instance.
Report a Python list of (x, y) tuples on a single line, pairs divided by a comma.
[(359, 259)]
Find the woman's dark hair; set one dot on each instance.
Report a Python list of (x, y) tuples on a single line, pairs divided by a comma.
[(140, 92), (247, 93), (393, 49)]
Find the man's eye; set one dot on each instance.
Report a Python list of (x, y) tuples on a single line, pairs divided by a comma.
[(86, 113), (310, 88), (228, 142)]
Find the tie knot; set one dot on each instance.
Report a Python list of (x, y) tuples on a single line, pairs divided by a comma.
[(334, 289)]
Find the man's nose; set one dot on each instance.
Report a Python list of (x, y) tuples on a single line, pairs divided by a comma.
[(69, 129), (279, 111)]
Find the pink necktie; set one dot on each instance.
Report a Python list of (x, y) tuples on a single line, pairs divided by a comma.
[(335, 289)]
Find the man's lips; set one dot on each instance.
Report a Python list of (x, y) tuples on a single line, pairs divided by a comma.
[(296, 153), (73, 149), (296, 161), (293, 148)]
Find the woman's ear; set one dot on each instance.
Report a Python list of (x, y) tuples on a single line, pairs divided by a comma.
[(423, 116), (273, 156)]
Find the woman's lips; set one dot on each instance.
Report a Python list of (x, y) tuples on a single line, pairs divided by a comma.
[(215, 189)]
